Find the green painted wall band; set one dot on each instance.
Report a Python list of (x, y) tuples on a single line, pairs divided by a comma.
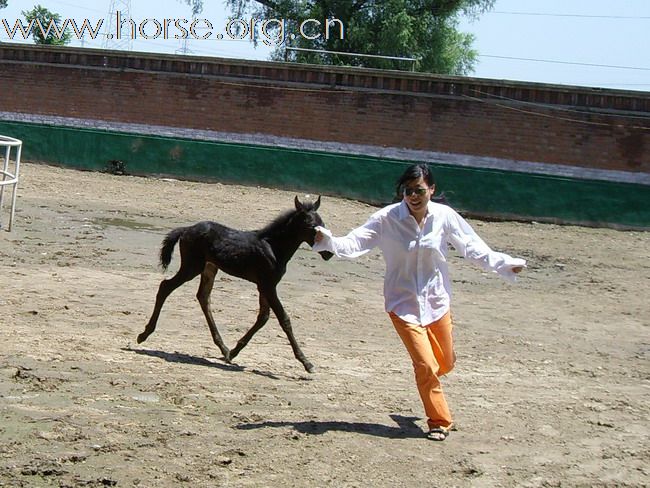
[(476, 191)]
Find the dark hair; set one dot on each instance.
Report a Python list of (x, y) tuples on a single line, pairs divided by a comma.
[(414, 172)]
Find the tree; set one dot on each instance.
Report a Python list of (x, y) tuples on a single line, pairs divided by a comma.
[(197, 6), (423, 29), (46, 27), (3, 3)]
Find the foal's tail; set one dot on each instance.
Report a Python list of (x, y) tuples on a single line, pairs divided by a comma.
[(168, 246)]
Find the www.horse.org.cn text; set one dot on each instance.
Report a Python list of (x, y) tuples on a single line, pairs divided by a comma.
[(268, 31)]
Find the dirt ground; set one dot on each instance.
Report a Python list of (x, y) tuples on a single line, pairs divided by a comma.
[(550, 389)]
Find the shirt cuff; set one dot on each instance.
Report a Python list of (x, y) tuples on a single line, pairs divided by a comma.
[(505, 268), (326, 243)]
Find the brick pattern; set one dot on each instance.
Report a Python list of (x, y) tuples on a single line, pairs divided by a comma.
[(601, 129)]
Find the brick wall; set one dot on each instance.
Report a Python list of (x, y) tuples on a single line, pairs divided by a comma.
[(596, 128)]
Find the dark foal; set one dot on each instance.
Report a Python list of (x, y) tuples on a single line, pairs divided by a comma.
[(259, 256)]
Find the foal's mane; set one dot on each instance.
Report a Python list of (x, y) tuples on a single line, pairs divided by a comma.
[(283, 220)]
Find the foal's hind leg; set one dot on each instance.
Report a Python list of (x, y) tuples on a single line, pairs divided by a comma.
[(285, 323), (262, 318), (183, 275), (203, 295)]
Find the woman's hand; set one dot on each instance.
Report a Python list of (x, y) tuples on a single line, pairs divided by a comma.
[(319, 236)]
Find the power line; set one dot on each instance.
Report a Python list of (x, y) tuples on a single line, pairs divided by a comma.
[(560, 108), (550, 116), (565, 62), (541, 14), (79, 7)]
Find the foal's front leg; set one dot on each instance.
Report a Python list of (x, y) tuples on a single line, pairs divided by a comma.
[(203, 295), (285, 323)]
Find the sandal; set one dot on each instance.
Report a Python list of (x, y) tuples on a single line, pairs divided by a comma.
[(438, 434)]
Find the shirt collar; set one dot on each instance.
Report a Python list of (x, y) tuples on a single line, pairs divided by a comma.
[(404, 210)]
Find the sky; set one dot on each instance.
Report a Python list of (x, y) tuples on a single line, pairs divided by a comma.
[(598, 43)]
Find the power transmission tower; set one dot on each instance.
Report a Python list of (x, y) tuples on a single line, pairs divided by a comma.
[(185, 41), (120, 29), (185, 46)]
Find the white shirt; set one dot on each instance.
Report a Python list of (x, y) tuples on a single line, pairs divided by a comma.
[(416, 284)]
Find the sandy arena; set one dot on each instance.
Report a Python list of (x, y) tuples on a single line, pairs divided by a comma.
[(550, 387)]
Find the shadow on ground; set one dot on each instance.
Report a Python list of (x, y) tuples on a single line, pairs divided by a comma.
[(406, 427)]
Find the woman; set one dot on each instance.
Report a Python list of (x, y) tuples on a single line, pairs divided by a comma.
[(413, 236)]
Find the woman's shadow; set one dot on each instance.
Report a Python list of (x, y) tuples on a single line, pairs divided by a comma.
[(406, 427)]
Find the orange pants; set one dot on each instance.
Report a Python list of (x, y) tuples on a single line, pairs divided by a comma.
[(432, 352)]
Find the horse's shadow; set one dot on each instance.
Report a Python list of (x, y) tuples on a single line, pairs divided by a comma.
[(406, 427), (179, 357)]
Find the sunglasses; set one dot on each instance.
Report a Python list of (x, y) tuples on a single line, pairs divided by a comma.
[(418, 191)]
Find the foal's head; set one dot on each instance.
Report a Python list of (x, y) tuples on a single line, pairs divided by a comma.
[(306, 220)]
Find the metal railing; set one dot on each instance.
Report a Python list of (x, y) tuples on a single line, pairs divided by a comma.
[(414, 61), (10, 173)]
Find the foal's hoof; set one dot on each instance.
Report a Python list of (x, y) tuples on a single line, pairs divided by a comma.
[(141, 338), (232, 354), (226, 357), (309, 367)]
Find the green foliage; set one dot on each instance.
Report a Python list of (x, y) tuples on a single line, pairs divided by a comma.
[(3, 3), (47, 28), (426, 30), (197, 6)]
